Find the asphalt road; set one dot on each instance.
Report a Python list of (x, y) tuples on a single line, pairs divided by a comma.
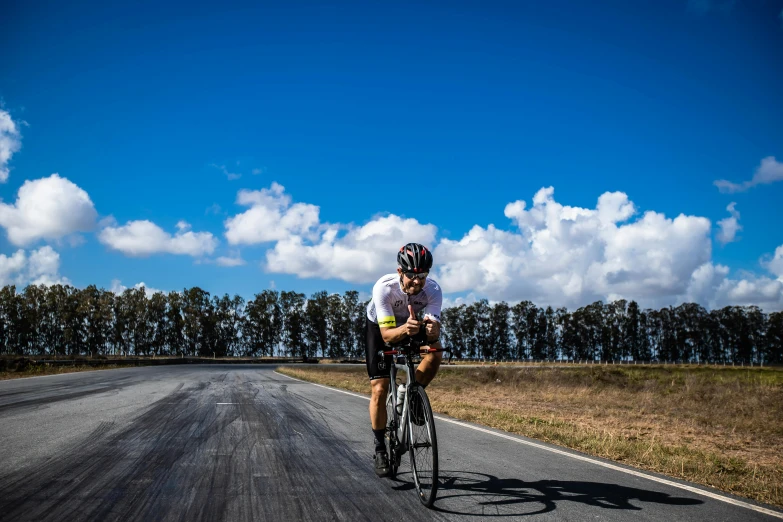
[(242, 443)]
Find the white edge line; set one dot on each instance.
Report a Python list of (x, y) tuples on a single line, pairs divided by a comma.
[(581, 457)]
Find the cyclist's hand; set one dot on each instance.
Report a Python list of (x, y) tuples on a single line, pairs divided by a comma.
[(412, 325), (433, 328)]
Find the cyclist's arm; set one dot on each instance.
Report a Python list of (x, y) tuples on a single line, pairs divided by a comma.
[(394, 335), (432, 312)]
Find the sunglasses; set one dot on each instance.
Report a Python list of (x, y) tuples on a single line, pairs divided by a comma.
[(411, 275)]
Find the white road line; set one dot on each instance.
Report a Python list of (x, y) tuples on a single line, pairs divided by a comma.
[(512, 438)]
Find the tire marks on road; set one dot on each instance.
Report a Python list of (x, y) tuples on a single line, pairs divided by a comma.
[(272, 456)]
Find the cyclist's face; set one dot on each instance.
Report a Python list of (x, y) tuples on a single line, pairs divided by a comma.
[(411, 285)]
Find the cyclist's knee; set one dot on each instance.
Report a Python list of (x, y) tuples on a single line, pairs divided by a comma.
[(380, 387)]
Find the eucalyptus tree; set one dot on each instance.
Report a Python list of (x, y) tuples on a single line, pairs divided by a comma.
[(263, 326), (293, 322), (632, 333), (521, 323), (774, 336), (499, 339), (570, 340), (539, 338), (231, 326), (195, 303), (355, 313), (32, 303), (175, 324), (358, 327), (158, 323), (10, 315), (139, 332), (756, 326), (316, 326), (338, 319), (551, 336), (451, 334), (469, 326), (643, 349), (97, 304), (54, 319), (75, 314)]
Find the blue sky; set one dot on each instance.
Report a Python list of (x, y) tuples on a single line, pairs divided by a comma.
[(438, 113)]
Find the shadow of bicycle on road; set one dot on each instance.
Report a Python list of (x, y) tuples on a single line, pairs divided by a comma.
[(468, 493)]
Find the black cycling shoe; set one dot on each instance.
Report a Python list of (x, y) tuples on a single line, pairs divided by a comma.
[(382, 467)]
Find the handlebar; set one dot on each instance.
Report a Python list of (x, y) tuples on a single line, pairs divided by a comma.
[(421, 351)]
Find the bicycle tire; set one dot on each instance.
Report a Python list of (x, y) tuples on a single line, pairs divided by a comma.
[(391, 434), (423, 447)]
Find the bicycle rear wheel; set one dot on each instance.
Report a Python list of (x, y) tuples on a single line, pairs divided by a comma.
[(392, 447), (423, 446)]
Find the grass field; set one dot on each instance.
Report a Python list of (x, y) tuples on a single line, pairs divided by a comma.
[(721, 427)]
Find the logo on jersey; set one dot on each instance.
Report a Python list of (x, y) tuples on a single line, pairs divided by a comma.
[(397, 303)]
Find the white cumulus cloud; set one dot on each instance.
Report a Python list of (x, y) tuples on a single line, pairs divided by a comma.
[(308, 248), (47, 208), (271, 217), (572, 256), (144, 238), (41, 266), (712, 287), (554, 254), (775, 265), (729, 226), (769, 171), (234, 260), (10, 142), (229, 175), (360, 255)]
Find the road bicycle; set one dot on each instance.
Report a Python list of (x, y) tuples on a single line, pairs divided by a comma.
[(413, 430)]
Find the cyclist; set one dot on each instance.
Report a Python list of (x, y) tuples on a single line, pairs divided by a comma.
[(391, 318)]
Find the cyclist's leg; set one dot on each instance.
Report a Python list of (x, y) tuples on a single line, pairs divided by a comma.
[(378, 371), (380, 389), (428, 367)]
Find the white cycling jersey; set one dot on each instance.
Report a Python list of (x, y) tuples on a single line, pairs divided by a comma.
[(389, 304)]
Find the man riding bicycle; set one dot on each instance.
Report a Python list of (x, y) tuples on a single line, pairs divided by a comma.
[(391, 318)]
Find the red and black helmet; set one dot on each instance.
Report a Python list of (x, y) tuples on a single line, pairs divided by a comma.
[(413, 257)]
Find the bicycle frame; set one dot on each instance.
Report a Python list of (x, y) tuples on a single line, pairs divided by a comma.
[(410, 382)]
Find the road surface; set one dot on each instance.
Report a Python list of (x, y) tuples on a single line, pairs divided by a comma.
[(243, 443)]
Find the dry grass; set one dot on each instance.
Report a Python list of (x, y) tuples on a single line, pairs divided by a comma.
[(52, 370), (720, 427)]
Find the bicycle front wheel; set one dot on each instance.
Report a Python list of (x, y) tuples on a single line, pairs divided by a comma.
[(423, 446)]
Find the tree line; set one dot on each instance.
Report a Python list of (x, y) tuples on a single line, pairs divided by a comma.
[(616, 331), (62, 320)]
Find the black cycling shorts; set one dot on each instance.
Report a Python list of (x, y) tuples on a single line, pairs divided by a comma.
[(378, 365)]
